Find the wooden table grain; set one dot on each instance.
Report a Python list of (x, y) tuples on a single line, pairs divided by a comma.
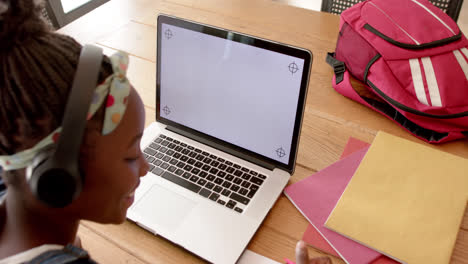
[(329, 120)]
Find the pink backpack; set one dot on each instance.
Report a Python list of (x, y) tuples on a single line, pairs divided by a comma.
[(407, 60)]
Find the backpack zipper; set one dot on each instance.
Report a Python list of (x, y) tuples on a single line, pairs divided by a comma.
[(432, 44)]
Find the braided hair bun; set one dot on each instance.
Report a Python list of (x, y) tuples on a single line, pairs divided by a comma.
[(37, 68), (20, 20)]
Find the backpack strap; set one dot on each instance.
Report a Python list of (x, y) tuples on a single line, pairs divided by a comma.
[(346, 88), (338, 66), (69, 254), (342, 84)]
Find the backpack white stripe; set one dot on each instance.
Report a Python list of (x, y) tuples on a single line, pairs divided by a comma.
[(431, 82), (418, 81), (434, 15), (404, 31), (465, 51), (462, 61)]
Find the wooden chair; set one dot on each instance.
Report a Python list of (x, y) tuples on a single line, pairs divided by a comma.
[(54, 12), (49, 17), (450, 7)]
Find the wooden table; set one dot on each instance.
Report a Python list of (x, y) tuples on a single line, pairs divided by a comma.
[(330, 119)]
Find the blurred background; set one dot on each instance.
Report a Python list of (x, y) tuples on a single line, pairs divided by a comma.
[(61, 12), (317, 4)]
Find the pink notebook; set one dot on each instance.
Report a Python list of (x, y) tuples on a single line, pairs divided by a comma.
[(311, 235), (316, 203)]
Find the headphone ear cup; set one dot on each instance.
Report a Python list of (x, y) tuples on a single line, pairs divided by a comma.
[(55, 185)]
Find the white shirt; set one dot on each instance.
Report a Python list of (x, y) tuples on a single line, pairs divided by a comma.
[(29, 254)]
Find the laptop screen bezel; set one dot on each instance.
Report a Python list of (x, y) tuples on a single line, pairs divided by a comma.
[(249, 40)]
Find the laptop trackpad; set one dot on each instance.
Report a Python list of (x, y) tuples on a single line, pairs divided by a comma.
[(164, 207)]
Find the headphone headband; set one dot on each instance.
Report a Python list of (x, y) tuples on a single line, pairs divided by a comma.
[(74, 120)]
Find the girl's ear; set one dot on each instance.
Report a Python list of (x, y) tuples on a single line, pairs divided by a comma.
[(91, 137)]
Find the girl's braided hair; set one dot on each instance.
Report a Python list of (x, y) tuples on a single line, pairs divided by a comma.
[(37, 67)]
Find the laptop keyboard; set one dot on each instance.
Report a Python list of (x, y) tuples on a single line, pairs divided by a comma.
[(212, 177)]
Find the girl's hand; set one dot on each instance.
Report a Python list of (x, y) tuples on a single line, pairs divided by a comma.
[(302, 256)]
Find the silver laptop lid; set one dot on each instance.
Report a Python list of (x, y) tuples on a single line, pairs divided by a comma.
[(237, 93)]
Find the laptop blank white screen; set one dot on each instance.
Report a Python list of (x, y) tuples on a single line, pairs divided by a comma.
[(238, 93)]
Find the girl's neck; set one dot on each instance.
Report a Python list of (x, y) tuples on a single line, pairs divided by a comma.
[(24, 228)]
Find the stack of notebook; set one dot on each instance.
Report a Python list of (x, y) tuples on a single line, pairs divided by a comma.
[(395, 201)]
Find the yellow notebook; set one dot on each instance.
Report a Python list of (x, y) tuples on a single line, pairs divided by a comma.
[(405, 200)]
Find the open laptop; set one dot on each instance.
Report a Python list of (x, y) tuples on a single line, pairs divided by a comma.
[(229, 110)]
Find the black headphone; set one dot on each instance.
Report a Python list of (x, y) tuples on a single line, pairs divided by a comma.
[(54, 175)]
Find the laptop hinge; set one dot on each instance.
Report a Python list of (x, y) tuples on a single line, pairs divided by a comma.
[(215, 145)]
